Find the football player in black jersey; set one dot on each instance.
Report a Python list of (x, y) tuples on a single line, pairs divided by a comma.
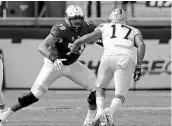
[(59, 61)]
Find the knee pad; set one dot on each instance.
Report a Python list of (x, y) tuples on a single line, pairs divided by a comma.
[(92, 98), (121, 97), (27, 99)]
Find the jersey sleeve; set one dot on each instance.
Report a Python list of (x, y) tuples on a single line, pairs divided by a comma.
[(55, 30), (137, 32)]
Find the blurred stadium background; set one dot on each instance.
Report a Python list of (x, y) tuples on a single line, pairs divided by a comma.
[(24, 24)]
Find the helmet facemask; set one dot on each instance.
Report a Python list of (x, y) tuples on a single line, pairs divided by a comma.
[(75, 22)]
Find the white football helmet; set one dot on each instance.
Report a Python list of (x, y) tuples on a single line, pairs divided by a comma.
[(118, 15), (74, 12)]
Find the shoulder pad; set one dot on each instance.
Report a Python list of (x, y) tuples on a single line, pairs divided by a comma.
[(137, 31), (55, 30), (90, 22), (89, 26)]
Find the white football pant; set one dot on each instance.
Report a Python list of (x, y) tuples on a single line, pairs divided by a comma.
[(76, 72), (121, 68)]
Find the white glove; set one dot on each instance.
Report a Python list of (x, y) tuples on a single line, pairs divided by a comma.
[(58, 63)]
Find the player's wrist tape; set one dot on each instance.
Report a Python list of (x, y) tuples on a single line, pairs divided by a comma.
[(52, 57)]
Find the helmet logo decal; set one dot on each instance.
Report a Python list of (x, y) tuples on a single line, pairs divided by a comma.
[(76, 10)]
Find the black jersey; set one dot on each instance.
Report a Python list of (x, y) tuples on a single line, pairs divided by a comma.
[(66, 36)]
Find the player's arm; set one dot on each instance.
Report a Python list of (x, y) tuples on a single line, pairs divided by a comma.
[(89, 38), (50, 40), (140, 45), (92, 27), (43, 48)]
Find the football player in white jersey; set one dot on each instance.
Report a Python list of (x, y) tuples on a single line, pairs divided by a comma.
[(118, 61)]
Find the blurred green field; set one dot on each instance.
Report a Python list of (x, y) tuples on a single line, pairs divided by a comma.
[(69, 108)]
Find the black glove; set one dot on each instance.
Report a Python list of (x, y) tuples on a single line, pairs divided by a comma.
[(137, 73)]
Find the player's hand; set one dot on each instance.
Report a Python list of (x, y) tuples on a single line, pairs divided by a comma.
[(74, 47), (58, 63), (137, 73)]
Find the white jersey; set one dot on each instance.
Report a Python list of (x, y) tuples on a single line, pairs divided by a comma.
[(118, 39)]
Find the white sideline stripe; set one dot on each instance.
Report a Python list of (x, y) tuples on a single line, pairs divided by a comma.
[(123, 108), (146, 108), (158, 94), (136, 94)]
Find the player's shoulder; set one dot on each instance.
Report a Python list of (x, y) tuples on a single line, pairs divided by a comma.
[(60, 27), (88, 26), (134, 29), (89, 22), (57, 29), (103, 25)]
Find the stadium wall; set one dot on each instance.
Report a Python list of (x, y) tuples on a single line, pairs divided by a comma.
[(22, 61)]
